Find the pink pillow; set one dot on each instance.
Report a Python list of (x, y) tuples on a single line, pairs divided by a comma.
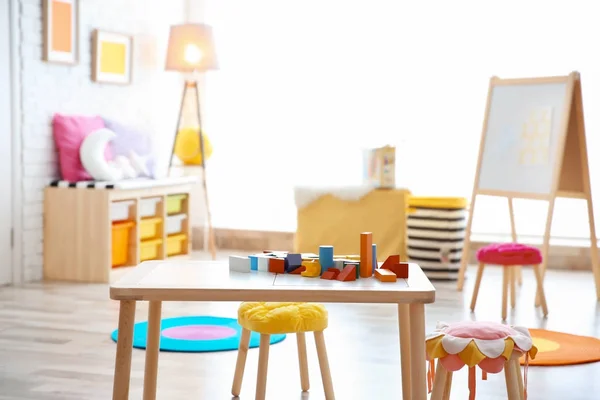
[(69, 132)]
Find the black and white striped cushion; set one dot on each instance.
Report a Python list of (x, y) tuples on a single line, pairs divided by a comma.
[(83, 184), (435, 241)]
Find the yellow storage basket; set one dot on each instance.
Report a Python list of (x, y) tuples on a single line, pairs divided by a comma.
[(150, 249), (175, 203)]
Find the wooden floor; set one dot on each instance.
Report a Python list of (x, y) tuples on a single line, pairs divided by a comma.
[(55, 345)]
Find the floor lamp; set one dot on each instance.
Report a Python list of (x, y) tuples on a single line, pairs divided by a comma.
[(191, 50)]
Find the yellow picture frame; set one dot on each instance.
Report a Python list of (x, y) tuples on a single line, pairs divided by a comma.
[(60, 31), (111, 57)]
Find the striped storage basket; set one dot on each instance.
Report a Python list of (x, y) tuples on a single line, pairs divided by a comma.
[(436, 233)]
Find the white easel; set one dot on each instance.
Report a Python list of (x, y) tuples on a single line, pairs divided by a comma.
[(565, 172)]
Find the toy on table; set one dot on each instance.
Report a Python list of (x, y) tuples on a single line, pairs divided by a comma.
[(325, 265)]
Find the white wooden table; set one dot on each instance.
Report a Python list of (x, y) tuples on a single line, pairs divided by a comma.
[(158, 281)]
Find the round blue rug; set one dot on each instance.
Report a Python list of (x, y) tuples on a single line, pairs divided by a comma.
[(196, 334)]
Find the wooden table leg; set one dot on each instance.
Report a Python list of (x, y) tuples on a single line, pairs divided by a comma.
[(404, 331), (152, 350), (124, 348), (417, 356)]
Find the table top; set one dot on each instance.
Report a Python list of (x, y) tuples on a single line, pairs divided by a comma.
[(213, 281)]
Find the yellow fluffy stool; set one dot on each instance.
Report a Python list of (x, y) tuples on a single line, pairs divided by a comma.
[(278, 318)]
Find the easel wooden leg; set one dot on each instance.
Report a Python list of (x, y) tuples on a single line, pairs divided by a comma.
[(546, 245), (594, 246), (466, 244), (513, 233)]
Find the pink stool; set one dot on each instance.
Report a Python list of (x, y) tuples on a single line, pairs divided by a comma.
[(509, 256), (491, 346)]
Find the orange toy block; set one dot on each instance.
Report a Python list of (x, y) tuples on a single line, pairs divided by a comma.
[(400, 269), (298, 270), (366, 254), (335, 271), (385, 275), (348, 274), (329, 275), (391, 260), (277, 265)]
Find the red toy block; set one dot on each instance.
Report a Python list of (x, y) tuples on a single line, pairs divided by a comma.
[(391, 260), (348, 274), (298, 270), (385, 275), (277, 265), (329, 275), (335, 271), (400, 269)]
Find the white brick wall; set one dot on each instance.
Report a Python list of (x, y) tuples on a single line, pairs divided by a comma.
[(151, 102)]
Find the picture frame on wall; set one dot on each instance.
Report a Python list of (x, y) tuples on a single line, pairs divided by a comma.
[(111, 57), (60, 31)]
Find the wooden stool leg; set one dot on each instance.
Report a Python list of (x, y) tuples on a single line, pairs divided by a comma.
[(477, 284), (448, 386), (540, 289), (519, 379), (324, 364), (505, 277), (263, 365), (240, 364), (513, 283), (440, 383), (512, 386), (520, 275), (303, 360)]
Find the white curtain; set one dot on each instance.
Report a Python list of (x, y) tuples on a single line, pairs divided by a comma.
[(304, 85)]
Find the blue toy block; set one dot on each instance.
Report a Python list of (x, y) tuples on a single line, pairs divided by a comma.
[(253, 263), (292, 261), (326, 257), (374, 257)]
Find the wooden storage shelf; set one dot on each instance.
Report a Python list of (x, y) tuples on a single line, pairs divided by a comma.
[(90, 232)]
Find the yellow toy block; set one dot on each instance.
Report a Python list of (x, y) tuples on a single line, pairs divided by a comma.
[(313, 269)]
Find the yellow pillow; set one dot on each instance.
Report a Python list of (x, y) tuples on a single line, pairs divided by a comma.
[(187, 146)]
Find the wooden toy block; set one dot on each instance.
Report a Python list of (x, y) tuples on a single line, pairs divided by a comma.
[(306, 263), (374, 266), (313, 269), (277, 265), (329, 275), (334, 270), (292, 261), (385, 275), (326, 257), (239, 264), (400, 270), (263, 262), (298, 270), (253, 263), (356, 265), (391, 260), (339, 264), (366, 254), (308, 256), (348, 274)]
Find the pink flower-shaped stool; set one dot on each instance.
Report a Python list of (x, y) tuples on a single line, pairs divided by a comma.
[(509, 256), (491, 346)]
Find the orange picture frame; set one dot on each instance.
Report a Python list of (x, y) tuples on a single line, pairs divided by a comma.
[(111, 57), (60, 31)]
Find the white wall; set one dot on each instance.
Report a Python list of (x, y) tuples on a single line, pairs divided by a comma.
[(151, 102)]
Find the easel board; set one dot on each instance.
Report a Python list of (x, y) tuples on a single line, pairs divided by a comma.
[(520, 143)]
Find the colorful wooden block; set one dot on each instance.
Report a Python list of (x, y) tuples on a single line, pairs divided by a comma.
[(292, 261), (277, 265), (313, 269), (385, 275), (391, 260), (356, 265), (400, 270), (239, 264), (374, 266), (326, 257), (348, 274), (334, 270), (366, 254), (263, 262), (339, 264), (298, 270), (253, 263), (329, 275)]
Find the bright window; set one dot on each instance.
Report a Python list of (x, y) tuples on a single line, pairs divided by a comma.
[(303, 86)]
